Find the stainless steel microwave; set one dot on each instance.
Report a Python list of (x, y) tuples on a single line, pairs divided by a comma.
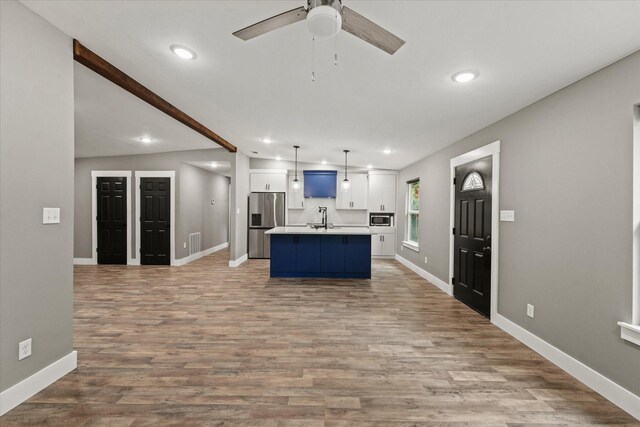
[(381, 220)]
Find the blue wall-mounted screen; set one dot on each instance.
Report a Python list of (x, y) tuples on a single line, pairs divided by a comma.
[(320, 184)]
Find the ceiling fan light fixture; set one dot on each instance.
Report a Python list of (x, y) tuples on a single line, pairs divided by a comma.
[(324, 21)]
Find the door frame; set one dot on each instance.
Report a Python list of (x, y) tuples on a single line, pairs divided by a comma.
[(94, 211), (490, 150), (172, 207)]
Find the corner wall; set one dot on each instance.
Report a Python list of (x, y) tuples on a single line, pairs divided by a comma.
[(566, 169), (239, 206), (36, 171)]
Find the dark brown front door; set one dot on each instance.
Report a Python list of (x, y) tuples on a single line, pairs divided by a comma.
[(155, 221), (112, 220), (472, 235)]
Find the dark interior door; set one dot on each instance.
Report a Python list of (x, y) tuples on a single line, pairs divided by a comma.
[(155, 221), (472, 235), (112, 220)]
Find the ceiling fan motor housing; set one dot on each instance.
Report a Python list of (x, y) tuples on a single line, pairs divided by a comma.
[(324, 17)]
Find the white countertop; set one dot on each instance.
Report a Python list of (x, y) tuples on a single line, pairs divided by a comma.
[(308, 230)]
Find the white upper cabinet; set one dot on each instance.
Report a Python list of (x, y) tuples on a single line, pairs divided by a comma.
[(382, 192), (268, 182), (295, 198), (355, 197)]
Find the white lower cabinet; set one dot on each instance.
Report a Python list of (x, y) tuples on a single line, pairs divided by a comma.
[(383, 244)]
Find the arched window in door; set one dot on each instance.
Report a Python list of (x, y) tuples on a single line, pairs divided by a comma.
[(473, 181)]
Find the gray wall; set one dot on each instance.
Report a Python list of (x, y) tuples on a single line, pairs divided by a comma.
[(36, 171), (196, 213), (239, 205), (189, 209), (566, 169)]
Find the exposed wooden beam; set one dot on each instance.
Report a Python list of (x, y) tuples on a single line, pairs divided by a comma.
[(111, 73)]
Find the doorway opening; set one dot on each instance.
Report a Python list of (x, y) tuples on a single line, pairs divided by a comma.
[(111, 217), (474, 217), (155, 207)]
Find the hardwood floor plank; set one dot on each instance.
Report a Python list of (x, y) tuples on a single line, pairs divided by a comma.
[(208, 345)]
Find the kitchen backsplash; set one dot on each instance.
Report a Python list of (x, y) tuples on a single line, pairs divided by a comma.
[(310, 213)]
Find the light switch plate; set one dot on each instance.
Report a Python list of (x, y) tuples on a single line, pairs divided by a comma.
[(507, 216), (51, 215)]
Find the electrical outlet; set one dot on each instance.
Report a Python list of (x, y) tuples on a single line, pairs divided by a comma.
[(184, 245), (530, 310), (51, 215), (24, 349), (426, 260), (401, 248)]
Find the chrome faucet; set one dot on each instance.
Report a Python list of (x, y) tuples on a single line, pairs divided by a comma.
[(323, 211)]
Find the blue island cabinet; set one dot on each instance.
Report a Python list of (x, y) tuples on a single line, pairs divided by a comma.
[(305, 255)]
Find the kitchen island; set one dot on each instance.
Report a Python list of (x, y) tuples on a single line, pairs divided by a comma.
[(343, 252)]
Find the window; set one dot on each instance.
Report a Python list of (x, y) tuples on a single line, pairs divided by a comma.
[(630, 328), (413, 214), (473, 181)]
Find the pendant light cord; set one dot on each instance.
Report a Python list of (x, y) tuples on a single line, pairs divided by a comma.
[(313, 63), (335, 41), (345, 164)]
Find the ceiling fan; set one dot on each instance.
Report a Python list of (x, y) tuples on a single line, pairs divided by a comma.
[(325, 18)]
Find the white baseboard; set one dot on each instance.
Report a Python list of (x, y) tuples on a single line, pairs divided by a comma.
[(598, 382), (15, 395), (237, 262), (84, 261), (190, 258), (445, 287)]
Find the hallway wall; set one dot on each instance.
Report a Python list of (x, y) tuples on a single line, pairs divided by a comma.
[(36, 171), (194, 187)]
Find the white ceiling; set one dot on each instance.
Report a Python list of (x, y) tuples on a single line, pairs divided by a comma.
[(220, 167), (109, 121), (248, 90)]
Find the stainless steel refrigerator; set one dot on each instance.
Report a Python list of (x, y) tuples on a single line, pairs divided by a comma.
[(266, 211)]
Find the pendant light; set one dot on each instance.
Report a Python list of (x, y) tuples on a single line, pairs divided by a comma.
[(345, 182), (296, 183)]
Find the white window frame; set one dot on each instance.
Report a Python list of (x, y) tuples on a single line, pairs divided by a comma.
[(415, 246), (630, 331)]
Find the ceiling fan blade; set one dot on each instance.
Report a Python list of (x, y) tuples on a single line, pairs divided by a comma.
[(273, 23), (372, 33)]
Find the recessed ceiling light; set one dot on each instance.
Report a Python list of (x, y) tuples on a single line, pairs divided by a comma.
[(266, 140), (324, 162), (465, 76), (369, 166), (146, 139), (214, 165), (386, 151), (278, 158), (183, 52)]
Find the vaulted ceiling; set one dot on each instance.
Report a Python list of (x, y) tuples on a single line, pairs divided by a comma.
[(246, 91)]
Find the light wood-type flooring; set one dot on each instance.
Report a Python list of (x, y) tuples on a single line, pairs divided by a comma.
[(204, 344)]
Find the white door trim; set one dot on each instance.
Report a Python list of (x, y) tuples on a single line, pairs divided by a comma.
[(94, 211), (492, 150), (172, 203)]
